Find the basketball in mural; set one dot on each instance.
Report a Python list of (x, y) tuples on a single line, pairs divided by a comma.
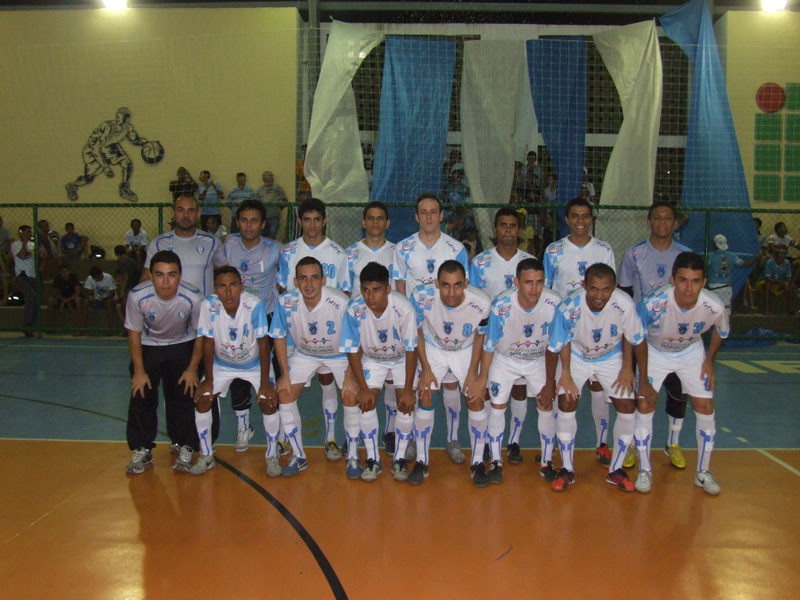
[(152, 152), (770, 97)]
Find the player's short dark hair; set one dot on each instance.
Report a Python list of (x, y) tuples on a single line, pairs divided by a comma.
[(139, 221), (207, 173), (24, 228), (227, 270), (778, 224), (528, 264), (689, 260), (600, 270), (166, 256), (310, 205), (374, 272), (252, 204), (119, 250), (578, 201), (506, 211), (95, 272), (375, 204), (660, 204), (241, 174), (451, 266), (427, 196), (70, 224), (528, 155), (308, 260), (178, 199)]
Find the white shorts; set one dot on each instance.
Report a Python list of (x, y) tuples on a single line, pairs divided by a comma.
[(223, 378), (686, 364), (442, 362), (508, 372), (605, 372), (302, 368)]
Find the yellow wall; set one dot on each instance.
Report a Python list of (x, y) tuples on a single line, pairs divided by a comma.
[(217, 87)]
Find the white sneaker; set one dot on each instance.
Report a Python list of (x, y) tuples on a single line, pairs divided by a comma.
[(273, 467), (243, 437), (203, 465), (454, 452), (184, 462), (705, 480), (142, 459), (644, 482)]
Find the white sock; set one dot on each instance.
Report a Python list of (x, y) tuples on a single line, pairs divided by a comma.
[(202, 421), (497, 425), (330, 406), (547, 434), (272, 428), (566, 428), (369, 432), (242, 419), (478, 422), (600, 412), (423, 428), (642, 434), (390, 402), (519, 410), (675, 426), (405, 432), (705, 432), (452, 408), (293, 427), (623, 436), (352, 429)]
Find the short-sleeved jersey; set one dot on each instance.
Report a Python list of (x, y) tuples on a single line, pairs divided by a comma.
[(316, 332), (772, 270), (332, 257), (385, 338), (235, 338), (519, 333), (565, 263), (721, 264), (595, 336), (258, 265), (105, 288), (417, 264), (135, 240), (646, 269), (781, 242), (450, 328), (359, 254), (672, 329), (163, 322), (494, 274), (196, 253)]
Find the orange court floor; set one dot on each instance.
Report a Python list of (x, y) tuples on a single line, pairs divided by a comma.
[(74, 525)]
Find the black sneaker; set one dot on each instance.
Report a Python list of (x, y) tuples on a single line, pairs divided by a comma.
[(548, 472), (388, 443), (514, 455), (418, 475), (479, 477), (487, 453), (496, 472)]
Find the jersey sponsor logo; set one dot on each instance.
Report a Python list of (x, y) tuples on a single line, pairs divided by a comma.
[(504, 310), (475, 306), (481, 261), (383, 335), (291, 303), (509, 281), (312, 328), (360, 311), (430, 264), (407, 245), (709, 308)]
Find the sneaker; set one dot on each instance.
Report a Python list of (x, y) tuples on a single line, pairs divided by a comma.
[(705, 480), (142, 459), (273, 466), (563, 480), (411, 451), (354, 469), (603, 454), (548, 472), (388, 443), (203, 465), (514, 455), (284, 448), (372, 470), (174, 448), (644, 482), (619, 478), (676, 457), (496, 472), (184, 462), (72, 192), (419, 474), (400, 470), (126, 193), (332, 451), (630, 457), (487, 453), (243, 437), (294, 466), (454, 452), (478, 474)]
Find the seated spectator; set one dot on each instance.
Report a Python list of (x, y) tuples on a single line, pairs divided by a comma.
[(22, 252), (780, 240), (101, 291), (5, 238), (73, 245), (777, 281), (215, 228), (237, 195), (127, 276), (66, 293), (49, 249), (136, 237), (271, 193), (184, 185)]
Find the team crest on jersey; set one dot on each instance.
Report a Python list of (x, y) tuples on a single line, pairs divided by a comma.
[(596, 333), (366, 374), (151, 316), (200, 250), (509, 281), (181, 315), (582, 268), (243, 266), (527, 330), (312, 328), (494, 388), (683, 328), (232, 333), (661, 269), (383, 335), (430, 263), (448, 327)]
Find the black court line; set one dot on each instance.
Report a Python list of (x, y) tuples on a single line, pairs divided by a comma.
[(322, 561), (93, 375)]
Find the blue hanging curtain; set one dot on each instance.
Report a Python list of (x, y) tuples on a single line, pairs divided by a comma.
[(412, 134)]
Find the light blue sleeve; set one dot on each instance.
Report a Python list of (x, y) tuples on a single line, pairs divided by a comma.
[(351, 333), (645, 316), (494, 333), (258, 320), (463, 258), (560, 332), (417, 309), (278, 328), (283, 270), (475, 275), (549, 269)]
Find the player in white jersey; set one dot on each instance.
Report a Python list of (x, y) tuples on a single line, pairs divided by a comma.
[(451, 319), (310, 316), (675, 317), (380, 339), (416, 261), (565, 264), (516, 346), (256, 259), (233, 324), (375, 248), (493, 271), (161, 316), (593, 331), (646, 266)]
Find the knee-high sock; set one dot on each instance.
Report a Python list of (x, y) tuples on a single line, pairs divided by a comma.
[(566, 428), (330, 405), (478, 423), (519, 410), (600, 413), (623, 436), (293, 427), (547, 433), (272, 429), (423, 428), (705, 432), (390, 402), (642, 435), (497, 425), (352, 429), (242, 419), (202, 421), (452, 408), (369, 432), (405, 431)]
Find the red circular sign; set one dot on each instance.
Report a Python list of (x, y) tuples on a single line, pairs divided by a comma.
[(770, 97)]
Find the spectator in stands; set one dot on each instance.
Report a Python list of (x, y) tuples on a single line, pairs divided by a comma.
[(215, 228), (127, 276), (184, 185), (209, 196), (73, 245), (24, 270), (472, 242), (525, 241), (587, 187), (101, 291), (136, 237), (239, 194), (271, 193), (780, 240), (303, 187), (681, 216), (49, 244), (777, 281), (532, 174), (66, 293), (551, 191), (5, 237)]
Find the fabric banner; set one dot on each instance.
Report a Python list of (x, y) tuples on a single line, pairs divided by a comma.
[(412, 133), (713, 172)]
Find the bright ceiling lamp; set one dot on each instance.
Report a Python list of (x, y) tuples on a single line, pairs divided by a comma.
[(115, 4), (773, 5)]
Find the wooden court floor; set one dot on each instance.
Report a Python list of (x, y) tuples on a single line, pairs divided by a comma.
[(73, 525)]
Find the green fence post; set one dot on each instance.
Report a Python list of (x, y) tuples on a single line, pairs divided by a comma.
[(160, 219), (38, 293)]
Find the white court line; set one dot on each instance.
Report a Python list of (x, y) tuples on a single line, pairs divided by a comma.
[(775, 459)]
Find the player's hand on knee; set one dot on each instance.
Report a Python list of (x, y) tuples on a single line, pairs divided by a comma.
[(405, 401), (567, 385), (268, 396), (544, 399), (366, 400), (189, 381), (646, 397), (139, 382), (204, 394)]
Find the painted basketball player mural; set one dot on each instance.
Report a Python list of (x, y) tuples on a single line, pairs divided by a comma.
[(104, 150)]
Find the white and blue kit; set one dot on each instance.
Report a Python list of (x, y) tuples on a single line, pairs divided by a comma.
[(646, 269), (494, 274), (565, 263), (416, 264), (258, 266), (359, 255), (196, 253), (328, 253)]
